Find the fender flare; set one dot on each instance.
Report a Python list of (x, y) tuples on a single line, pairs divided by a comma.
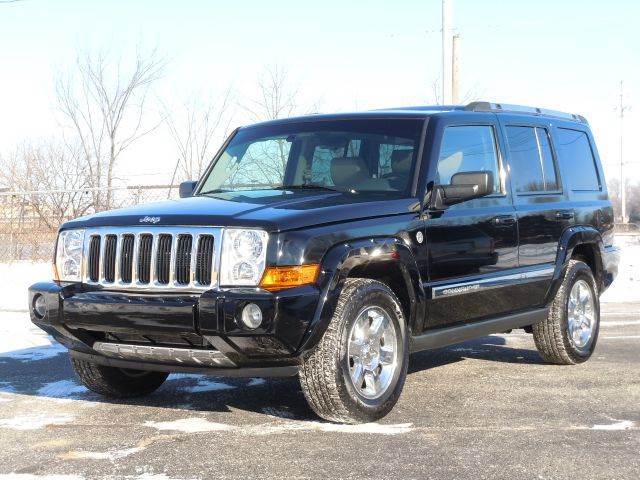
[(571, 238), (339, 262)]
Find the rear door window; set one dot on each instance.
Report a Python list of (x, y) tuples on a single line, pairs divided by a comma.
[(533, 168), (578, 160)]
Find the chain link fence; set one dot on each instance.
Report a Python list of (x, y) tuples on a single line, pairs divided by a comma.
[(29, 221)]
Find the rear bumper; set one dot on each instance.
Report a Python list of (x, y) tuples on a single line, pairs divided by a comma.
[(610, 262), (179, 332)]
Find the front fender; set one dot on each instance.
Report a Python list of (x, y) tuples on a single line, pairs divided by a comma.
[(343, 259)]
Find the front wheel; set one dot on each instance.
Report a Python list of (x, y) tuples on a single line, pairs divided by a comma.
[(117, 382), (357, 371)]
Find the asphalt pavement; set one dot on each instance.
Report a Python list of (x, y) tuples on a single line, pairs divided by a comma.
[(489, 408)]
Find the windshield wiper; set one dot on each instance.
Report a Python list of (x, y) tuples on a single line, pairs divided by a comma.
[(308, 186), (215, 190)]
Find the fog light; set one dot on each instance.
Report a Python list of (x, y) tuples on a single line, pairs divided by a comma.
[(39, 306), (251, 316)]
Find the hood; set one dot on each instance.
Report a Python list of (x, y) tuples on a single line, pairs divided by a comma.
[(272, 210)]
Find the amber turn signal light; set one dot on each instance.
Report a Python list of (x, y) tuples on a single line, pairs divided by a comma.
[(278, 278)]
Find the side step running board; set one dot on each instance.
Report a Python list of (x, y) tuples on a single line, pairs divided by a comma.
[(442, 337)]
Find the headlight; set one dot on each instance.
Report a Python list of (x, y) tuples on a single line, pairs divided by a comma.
[(69, 255), (243, 257)]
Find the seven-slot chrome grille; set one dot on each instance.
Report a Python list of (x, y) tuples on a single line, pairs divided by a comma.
[(152, 258)]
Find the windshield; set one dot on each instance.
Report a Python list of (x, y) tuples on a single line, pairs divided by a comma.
[(344, 155)]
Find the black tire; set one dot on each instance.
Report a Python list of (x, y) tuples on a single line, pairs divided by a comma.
[(552, 336), (117, 382), (324, 374)]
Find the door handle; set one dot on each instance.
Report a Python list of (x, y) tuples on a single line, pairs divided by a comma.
[(564, 215), (503, 220)]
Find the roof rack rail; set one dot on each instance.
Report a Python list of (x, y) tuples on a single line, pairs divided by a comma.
[(506, 107)]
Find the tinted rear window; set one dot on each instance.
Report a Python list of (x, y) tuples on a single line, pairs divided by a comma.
[(577, 159), (533, 166)]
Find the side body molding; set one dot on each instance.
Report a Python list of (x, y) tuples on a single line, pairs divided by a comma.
[(342, 260)]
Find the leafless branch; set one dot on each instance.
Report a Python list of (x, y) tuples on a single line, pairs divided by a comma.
[(105, 105)]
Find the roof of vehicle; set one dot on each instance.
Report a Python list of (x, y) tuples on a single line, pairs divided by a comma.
[(428, 110)]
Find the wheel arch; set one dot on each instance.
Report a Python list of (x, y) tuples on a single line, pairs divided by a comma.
[(578, 242), (386, 259)]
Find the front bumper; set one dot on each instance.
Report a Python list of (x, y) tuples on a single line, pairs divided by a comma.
[(179, 332)]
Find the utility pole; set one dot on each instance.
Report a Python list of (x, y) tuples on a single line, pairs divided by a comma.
[(623, 188), (455, 70), (446, 52)]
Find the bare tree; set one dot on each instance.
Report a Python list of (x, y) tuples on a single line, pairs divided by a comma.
[(53, 176), (105, 105), (194, 129), (276, 98), (471, 95)]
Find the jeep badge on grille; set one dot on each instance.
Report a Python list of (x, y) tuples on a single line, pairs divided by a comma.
[(148, 219)]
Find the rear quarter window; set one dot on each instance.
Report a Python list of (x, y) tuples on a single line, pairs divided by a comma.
[(576, 156)]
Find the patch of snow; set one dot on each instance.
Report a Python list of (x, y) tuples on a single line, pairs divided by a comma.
[(48, 349), (206, 385), (150, 476), (29, 476), (196, 425), (22, 340), (190, 425), (15, 280), (61, 389), (111, 455), (626, 286), (19, 338), (623, 425), (35, 421), (364, 428), (6, 387)]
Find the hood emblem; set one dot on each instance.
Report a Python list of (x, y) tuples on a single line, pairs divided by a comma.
[(148, 219)]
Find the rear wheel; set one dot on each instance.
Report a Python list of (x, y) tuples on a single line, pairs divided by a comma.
[(117, 382), (357, 370), (570, 331)]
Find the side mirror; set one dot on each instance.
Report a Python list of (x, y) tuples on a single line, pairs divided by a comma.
[(464, 186), (187, 188)]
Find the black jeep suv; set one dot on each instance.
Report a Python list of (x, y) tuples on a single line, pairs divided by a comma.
[(332, 246)]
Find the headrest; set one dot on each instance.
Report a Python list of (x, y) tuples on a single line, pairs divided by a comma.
[(401, 161), (346, 171)]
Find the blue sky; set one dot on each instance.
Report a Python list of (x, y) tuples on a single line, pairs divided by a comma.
[(568, 55)]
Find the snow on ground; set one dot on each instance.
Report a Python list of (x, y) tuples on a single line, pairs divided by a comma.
[(626, 286), (198, 425), (623, 425), (15, 279), (35, 421), (21, 340), (61, 389), (189, 425)]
